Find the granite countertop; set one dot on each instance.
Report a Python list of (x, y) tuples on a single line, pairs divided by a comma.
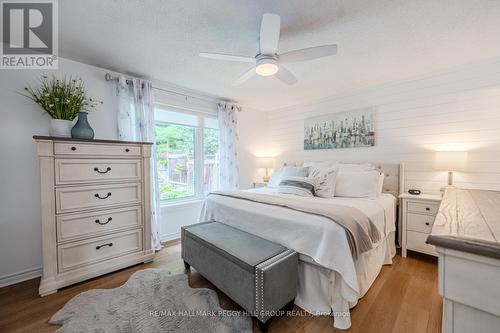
[(55, 138), (468, 221)]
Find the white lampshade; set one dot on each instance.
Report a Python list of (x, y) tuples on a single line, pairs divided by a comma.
[(451, 160), (265, 162)]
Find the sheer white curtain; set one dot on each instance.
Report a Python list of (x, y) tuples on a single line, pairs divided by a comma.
[(136, 123), (228, 146)]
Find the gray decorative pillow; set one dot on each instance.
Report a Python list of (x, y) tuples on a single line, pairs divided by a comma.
[(303, 186), (325, 181)]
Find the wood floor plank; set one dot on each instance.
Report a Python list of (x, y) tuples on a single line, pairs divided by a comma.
[(388, 304), (403, 298), (411, 319)]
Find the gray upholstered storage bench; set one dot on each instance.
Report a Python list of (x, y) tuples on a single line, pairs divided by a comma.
[(259, 275)]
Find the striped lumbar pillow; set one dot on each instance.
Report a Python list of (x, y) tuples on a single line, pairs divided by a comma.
[(302, 186)]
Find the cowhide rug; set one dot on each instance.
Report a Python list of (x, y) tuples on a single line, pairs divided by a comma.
[(150, 301)]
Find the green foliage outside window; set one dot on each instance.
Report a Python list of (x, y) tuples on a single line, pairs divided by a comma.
[(178, 142)]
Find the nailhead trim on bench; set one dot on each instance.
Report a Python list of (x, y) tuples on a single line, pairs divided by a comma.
[(259, 277)]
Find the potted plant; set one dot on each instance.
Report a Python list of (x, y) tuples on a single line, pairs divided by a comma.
[(63, 100)]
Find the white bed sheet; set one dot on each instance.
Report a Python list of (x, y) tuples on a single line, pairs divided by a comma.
[(321, 243)]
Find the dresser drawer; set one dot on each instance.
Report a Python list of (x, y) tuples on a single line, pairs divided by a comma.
[(92, 149), (71, 227), (419, 222), (416, 241), (423, 207), (77, 171), (82, 253), (69, 199)]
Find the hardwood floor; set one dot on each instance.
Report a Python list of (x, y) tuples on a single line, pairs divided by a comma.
[(404, 298)]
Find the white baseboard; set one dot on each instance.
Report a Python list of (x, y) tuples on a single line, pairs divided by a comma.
[(171, 236), (27, 274)]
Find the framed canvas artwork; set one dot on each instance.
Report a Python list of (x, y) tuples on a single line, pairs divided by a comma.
[(350, 129)]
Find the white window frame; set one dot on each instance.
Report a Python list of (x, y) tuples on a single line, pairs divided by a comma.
[(199, 152)]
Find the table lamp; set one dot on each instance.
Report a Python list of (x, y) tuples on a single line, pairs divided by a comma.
[(451, 161), (265, 163)]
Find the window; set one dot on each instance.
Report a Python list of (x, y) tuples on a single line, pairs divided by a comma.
[(187, 148)]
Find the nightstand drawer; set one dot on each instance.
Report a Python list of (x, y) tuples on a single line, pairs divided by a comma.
[(419, 222), (416, 241), (423, 207)]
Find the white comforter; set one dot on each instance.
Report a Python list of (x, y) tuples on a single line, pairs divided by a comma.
[(317, 237)]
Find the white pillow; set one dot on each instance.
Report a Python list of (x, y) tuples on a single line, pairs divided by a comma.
[(302, 186), (275, 179), (364, 184), (325, 181), (352, 167), (291, 171)]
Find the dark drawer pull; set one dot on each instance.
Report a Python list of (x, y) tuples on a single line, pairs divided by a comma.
[(427, 209), (99, 171), (127, 150), (73, 148), (98, 196), (103, 223), (427, 223), (98, 247)]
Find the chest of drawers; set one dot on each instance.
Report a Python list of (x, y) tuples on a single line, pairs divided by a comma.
[(96, 208), (418, 217)]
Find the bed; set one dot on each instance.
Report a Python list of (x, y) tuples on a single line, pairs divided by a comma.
[(330, 280)]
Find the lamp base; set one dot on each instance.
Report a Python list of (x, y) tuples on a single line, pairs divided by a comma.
[(265, 179)]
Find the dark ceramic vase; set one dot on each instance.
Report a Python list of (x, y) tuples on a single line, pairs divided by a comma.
[(82, 129)]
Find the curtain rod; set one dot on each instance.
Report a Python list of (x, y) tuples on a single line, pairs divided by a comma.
[(109, 77)]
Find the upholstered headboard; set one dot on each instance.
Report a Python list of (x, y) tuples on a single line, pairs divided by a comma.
[(393, 180)]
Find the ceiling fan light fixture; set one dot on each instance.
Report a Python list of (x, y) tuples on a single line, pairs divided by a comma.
[(266, 67), (268, 61)]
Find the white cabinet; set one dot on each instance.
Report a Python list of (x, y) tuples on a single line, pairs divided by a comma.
[(96, 208), (418, 214)]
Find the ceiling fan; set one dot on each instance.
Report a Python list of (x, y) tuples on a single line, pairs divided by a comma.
[(267, 62)]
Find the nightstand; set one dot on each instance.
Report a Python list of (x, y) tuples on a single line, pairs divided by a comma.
[(257, 185), (418, 213)]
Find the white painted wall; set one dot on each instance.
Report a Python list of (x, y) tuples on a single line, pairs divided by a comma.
[(173, 217), (20, 226), (253, 135), (454, 109)]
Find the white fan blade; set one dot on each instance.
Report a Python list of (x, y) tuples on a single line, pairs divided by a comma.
[(269, 34), (248, 74), (227, 57), (286, 76), (308, 54)]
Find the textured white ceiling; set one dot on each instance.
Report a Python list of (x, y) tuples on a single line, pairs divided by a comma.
[(379, 41)]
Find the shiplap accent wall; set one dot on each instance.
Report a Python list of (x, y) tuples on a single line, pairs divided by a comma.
[(458, 109)]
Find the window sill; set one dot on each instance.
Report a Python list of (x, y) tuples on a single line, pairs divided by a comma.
[(181, 202)]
